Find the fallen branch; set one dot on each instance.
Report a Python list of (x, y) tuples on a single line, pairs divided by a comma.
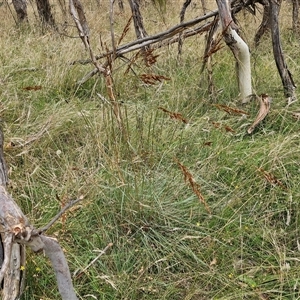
[(102, 252), (62, 211), (156, 38), (16, 233)]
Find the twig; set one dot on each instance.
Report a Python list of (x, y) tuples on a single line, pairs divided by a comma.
[(111, 21), (182, 14), (36, 136), (63, 210), (94, 260)]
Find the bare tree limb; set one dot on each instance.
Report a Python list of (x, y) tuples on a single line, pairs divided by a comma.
[(265, 24), (67, 207), (286, 76), (16, 233), (60, 267), (182, 14), (102, 252)]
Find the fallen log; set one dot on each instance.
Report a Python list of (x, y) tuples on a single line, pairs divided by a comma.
[(16, 233)]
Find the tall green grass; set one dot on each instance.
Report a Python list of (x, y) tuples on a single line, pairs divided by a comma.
[(166, 245)]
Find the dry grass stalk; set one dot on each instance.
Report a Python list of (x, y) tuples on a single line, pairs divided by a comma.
[(174, 115), (102, 252), (271, 178), (153, 78), (230, 110), (219, 126), (132, 61), (77, 13), (125, 30), (188, 177)]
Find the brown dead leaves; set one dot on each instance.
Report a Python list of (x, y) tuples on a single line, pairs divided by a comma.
[(188, 177), (264, 108)]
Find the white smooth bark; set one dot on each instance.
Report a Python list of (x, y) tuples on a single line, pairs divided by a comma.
[(242, 55)]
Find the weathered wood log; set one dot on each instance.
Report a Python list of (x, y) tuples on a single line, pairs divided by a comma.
[(16, 233)]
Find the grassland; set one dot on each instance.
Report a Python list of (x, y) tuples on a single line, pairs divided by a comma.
[(63, 141)]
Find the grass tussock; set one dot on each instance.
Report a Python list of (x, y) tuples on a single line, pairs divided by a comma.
[(229, 231)]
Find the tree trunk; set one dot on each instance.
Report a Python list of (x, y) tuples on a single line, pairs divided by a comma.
[(20, 7), (121, 5), (44, 9), (238, 47), (182, 14), (296, 24), (286, 76), (265, 24), (140, 30)]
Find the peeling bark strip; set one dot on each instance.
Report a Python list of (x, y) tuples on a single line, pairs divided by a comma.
[(286, 77), (264, 109), (238, 47), (60, 266)]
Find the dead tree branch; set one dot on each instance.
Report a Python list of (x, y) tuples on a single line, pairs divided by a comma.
[(78, 15), (182, 15), (286, 76), (16, 233)]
